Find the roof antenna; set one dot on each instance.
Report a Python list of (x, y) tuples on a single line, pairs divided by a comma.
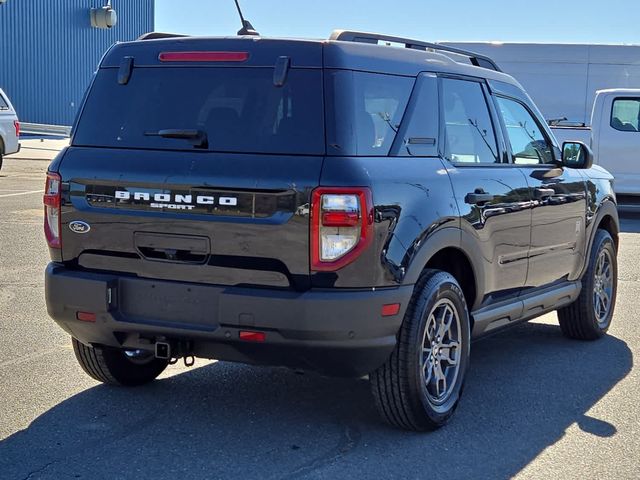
[(247, 28)]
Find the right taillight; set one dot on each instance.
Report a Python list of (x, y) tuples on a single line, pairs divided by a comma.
[(16, 125), (52, 202), (341, 226)]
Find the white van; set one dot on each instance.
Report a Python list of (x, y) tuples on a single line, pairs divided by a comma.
[(9, 128)]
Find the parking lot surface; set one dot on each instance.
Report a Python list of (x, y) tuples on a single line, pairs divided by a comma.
[(536, 405)]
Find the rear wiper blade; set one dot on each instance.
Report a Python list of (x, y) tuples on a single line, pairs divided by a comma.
[(198, 137)]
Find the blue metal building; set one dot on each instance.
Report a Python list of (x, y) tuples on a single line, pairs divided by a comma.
[(49, 50)]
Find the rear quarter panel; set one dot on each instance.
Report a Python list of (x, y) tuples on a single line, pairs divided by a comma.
[(413, 203)]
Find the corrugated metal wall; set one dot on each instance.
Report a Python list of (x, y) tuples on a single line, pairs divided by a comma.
[(48, 52)]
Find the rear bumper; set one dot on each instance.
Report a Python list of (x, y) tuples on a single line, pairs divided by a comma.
[(16, 150), (336, 332), (11, 147)]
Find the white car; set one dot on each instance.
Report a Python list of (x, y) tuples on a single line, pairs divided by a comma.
[(9, 128)]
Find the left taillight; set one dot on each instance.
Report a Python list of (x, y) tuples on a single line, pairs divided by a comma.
[(341, 226), (16, 125), (52, 202)]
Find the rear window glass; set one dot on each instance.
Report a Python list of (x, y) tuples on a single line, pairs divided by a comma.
[(3, 103), (364, 111), (239, 110)]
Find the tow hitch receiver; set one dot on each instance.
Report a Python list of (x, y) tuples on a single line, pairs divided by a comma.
[(163, 350)]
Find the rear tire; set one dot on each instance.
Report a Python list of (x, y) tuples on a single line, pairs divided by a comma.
[(115, 367), (589, 316), (420, 385)]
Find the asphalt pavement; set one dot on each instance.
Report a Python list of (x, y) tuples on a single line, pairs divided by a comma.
[(536, 405)]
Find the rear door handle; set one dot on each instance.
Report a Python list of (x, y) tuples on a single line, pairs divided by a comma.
[(478, 197), (542, 193)]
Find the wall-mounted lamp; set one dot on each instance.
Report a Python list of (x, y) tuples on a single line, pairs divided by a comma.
[(105, 17)]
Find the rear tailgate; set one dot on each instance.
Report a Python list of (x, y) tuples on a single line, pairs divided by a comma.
[(229, 210), (223, 218)]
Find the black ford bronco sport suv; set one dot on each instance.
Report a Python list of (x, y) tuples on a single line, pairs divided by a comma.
[(343, 206)]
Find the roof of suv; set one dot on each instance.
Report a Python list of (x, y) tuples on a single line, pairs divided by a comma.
[(304, 53)]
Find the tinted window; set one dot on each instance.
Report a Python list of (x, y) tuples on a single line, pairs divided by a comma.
[(3, 104), (469, 133), (421, 120), (365, 111), (239, 110), (625, 115), (528, 143)]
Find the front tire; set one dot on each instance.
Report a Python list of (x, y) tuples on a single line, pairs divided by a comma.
[(420, 385), (589, 316), (115, 366)]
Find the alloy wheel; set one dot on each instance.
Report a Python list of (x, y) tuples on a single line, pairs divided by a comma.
[(441, 351), (603, 288)]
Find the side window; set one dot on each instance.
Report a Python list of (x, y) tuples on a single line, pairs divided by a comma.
[(364, 111), (528, 144), (3, 104), (380, 103), (469, 133), (625, 115)]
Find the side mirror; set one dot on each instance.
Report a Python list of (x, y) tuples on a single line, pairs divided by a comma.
[(576, 155)]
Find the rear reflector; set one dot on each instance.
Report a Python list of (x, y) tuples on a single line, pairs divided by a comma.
[(340, 219), (86, 316), (249, 336), (203, 56), (390, 309)]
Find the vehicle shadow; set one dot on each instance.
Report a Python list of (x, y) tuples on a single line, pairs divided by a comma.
[(526, 386)]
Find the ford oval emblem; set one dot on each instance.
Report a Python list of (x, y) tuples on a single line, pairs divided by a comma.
[(79, 227)]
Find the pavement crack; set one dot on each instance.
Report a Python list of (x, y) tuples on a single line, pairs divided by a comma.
[(39, 470), (348, 441)]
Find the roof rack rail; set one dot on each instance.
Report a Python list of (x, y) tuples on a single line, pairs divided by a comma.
[(366, 37), (154, 35)]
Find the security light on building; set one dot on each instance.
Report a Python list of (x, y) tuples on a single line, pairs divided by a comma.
[(104, 17)]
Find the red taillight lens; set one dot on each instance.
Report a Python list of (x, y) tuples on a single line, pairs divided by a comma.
[(52, 202), (341, 226), (203, 56), (251, 336), (16, 125), (340, 219)]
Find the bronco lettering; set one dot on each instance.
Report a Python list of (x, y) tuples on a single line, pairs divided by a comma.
[(162, 199)]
